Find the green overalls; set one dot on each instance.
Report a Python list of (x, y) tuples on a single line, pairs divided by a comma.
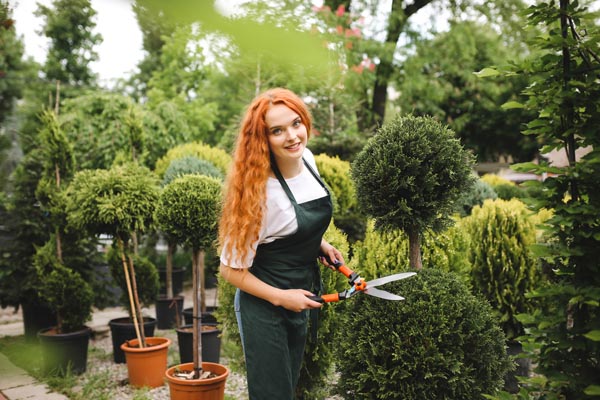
[(273, 337)]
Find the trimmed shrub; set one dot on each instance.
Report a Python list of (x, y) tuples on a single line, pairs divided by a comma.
[(503, 267), (440, 343), (219, 158), (190, 165), (504, 188), (480, 191)]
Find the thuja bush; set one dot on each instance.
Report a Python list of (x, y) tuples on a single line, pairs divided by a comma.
[(504, 269), (480, 192), (440, 343), (190, 165)]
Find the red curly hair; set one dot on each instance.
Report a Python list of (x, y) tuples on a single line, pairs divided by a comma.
[(245, 193)]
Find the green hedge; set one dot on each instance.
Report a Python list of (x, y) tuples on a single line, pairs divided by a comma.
[(440, 343), (217, 157)]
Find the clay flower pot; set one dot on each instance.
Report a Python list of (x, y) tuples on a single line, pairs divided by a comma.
[(198, 389), (146, 367)]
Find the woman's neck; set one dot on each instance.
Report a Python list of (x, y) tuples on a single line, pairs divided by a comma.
[(291, 168)]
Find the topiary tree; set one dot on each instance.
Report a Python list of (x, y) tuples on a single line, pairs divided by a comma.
[(190, 165), (409, 175), (188, 211), (117, 202), (440, 343)]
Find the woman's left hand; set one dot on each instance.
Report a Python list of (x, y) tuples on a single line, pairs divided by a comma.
[(329, 255)]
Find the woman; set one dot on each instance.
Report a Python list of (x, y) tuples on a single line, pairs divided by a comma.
[(275, 212)]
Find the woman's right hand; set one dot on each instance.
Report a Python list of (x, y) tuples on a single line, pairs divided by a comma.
[(296, 300)]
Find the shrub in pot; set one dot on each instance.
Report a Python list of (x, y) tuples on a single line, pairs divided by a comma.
[(118, 202), (442, 342)]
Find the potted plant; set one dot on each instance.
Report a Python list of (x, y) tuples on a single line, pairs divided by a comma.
[(68, 295), (187, 211), (120, 202)]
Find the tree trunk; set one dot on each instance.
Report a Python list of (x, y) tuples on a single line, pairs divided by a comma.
[(414, 245), (396, 24), (196, 315), (130, 294), (171, 247)]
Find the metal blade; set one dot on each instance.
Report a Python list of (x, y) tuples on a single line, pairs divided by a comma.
[(382, 294), (388, 279)]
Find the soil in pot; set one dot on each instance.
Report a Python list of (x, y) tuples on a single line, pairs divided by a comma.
[(193, 389), (169, 312), (146, 366), (211, 343), (64, 352), (122, 330)]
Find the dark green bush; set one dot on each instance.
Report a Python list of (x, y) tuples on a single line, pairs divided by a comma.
[(480, 191), (440, 343)]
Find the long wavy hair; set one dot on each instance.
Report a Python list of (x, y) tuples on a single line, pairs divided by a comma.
[(245, 189)]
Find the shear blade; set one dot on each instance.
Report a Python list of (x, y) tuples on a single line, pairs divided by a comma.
[(388, 279), (382, 294)]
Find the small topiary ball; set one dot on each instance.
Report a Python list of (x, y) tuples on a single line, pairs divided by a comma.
[(439, 343)]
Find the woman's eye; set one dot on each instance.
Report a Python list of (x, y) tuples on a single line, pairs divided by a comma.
[(276, 131), (297, 123)]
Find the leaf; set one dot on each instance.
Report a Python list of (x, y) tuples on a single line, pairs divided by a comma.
[(593, 335), (592, 390), (511, 104), (486, 72)]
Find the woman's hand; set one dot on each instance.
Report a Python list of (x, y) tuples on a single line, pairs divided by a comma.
[(296, 300), (331, 253)]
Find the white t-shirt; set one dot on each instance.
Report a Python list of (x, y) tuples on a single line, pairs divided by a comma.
[(279, 220)]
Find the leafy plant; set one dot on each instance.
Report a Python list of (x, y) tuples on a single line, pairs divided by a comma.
[(217, 157), (117, 202), (440, 343), (409, 175), (480, 191)]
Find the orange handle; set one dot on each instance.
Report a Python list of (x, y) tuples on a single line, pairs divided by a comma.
[(326, 298)]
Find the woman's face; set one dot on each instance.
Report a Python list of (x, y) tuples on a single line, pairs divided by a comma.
[(287, 134)]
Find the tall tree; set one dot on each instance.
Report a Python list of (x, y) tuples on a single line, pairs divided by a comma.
[(439, 80), (69, 25)]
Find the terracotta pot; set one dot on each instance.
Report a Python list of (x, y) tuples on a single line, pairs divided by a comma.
[(123, 329), (198, 389), (146, 367)]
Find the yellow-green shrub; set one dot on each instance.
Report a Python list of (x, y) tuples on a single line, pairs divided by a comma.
[(219, 158)]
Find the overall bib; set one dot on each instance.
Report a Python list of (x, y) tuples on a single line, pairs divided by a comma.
[(273, 337)]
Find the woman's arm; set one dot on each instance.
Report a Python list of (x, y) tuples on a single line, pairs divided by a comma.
[(330, 252), (291, 299)]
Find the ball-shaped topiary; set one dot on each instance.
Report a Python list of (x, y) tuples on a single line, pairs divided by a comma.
[(440, 343), (480, 191), (219, 158), (411, 173), (190, 165), (188, 210)]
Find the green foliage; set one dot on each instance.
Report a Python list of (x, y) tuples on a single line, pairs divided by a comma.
[(438, 80), (116, 202), (503, 267), (336, 174), (188, 210), (410, 173), (386, 252), (440, 343), (69, 25), (480, 191), (63, 289), (564, 93), (146, 276), (190, 165), (318, 355), (504, 188), (217, 157)]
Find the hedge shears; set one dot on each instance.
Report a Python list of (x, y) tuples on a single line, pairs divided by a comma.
[(358, 285)]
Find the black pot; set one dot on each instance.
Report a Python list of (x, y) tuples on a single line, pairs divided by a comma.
[(169, 312), (207, 317), (64, 352), (36, 317), (211, 344), (122, 330), (178, 278)]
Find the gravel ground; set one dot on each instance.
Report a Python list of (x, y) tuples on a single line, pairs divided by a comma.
[(110, 379)]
